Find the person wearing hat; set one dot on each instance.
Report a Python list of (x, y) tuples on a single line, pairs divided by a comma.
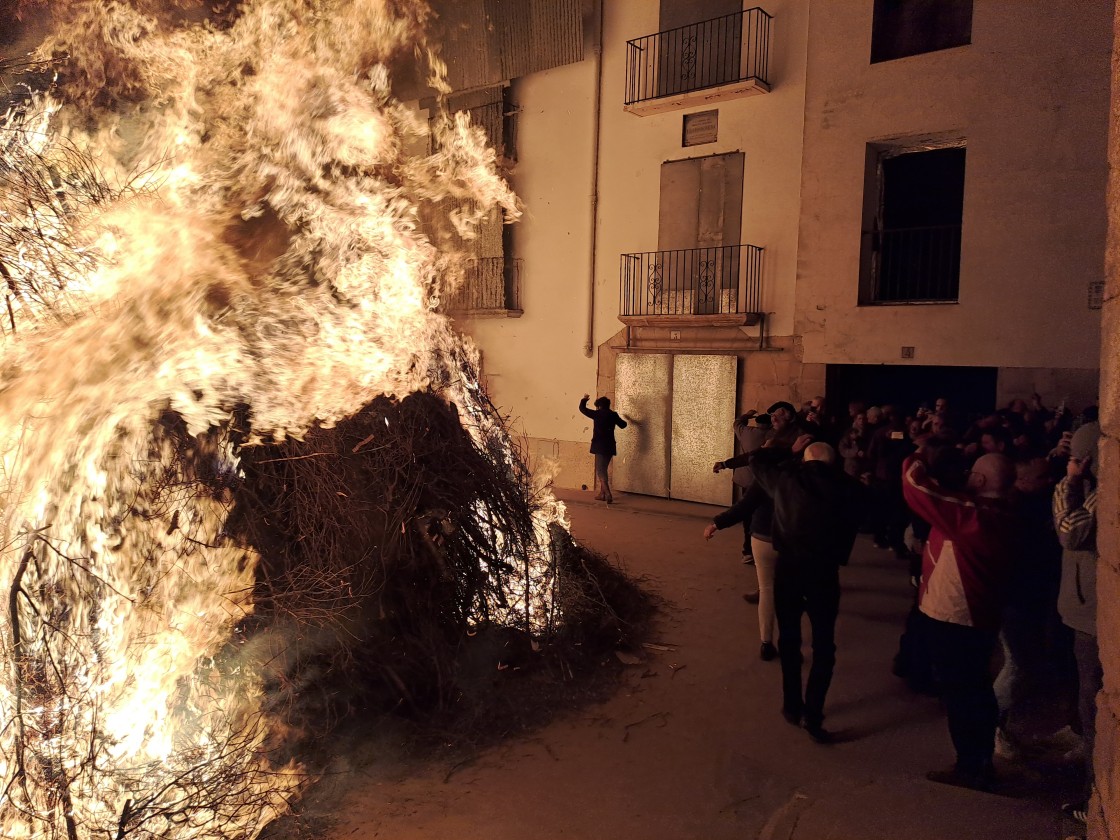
[(783, 419), (1075, 519)]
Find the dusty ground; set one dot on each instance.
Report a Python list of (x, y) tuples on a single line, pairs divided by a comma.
[(691, 744)]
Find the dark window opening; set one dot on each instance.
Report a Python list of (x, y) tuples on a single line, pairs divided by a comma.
[(911, 27), (911, 249)]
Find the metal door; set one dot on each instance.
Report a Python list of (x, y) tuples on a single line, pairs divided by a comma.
[(701, 210), (680, 409), (703, 414), (697, 45), (643, 393)]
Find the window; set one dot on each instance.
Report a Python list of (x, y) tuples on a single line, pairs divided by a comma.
[(491, 282), (911, 27), (913, 208)]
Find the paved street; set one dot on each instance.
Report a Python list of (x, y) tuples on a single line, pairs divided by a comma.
[(692, 745)]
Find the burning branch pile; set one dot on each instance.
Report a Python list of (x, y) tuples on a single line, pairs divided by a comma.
[(384, 541), (242, 451)]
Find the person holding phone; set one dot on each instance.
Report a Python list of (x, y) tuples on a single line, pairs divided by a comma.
[(1075, 519)]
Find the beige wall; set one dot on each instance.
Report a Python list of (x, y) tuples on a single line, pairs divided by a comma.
[(1029, 95), (535, 365)]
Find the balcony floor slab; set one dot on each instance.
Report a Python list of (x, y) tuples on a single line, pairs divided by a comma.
[(694, 98)]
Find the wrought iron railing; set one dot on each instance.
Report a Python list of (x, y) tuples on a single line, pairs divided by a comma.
[(726, 280), (917, 264), (732, 48), (489, 284)]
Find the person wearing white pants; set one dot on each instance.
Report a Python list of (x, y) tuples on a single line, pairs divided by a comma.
[(757, 508), (765, 558)]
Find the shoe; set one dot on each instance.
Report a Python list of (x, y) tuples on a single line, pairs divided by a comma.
[(751, 597), (879, 544), (1077, 811), (792, 718), (600, 498), (818, 734), (748, 559), (981, 779), (1010, 747), (610, 500), (768, 652)]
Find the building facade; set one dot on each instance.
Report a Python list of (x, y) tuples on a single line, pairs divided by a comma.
[(725, 207)]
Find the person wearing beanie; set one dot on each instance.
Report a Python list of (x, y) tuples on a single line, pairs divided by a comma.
[(1075, 519)]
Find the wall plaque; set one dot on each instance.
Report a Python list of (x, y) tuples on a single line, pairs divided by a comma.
[(700, 128)]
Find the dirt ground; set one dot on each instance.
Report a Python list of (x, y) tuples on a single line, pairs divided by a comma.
[(691, 744)]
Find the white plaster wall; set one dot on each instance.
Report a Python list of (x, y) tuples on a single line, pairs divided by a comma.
[(767, 128), (535, 365), (1030, 95)]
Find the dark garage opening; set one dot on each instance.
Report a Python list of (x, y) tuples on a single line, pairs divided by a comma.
[(970, 390)]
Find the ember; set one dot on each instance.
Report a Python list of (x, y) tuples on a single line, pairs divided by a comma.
[(217, 249)]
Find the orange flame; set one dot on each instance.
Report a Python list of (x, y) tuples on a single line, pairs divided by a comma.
[(258, 242)]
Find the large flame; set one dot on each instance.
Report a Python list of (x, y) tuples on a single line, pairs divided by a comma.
[(234, 221)]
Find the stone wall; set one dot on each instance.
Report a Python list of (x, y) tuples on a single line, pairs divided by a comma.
[(1104, 819)]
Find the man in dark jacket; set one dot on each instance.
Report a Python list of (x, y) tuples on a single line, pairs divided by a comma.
[(603, 447), (817, 510)]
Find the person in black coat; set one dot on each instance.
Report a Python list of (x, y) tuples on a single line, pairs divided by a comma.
[(602, 441), (817, 511)]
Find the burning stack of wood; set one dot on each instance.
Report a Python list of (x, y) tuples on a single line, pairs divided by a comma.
[(251, 477)]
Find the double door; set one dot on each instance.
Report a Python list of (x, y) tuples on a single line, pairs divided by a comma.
[(681, 408)]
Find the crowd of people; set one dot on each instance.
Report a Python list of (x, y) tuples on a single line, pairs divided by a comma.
[(994, 519)]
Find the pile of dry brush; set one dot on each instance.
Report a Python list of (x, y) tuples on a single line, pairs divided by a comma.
[(389, 547)]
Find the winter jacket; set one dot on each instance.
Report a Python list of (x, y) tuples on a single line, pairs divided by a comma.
[(1075, 519), (817, 509), (967, 562), (604, 421), (755, 507)]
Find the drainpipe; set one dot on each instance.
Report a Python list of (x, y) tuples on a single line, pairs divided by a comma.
[(589, 347)]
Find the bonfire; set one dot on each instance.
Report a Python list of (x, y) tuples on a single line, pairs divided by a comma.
[(243, 451)]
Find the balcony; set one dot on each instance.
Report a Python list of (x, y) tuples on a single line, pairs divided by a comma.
[(700, 286), (724, 58), (491, 288)]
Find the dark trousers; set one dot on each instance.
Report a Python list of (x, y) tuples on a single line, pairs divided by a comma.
[(891, 515), (961, 659), (602, 474), (1090, 678), (797, 592)]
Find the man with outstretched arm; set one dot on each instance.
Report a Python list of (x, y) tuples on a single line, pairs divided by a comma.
[(966, 566), (817, 511), (603, 447)]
